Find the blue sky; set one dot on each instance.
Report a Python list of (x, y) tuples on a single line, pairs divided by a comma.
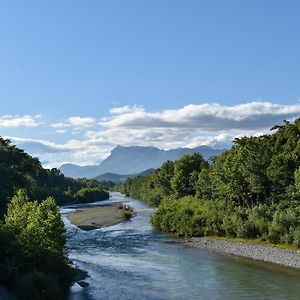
[(65, 59)]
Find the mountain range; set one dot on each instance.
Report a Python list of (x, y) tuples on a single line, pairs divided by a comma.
[(133, 160), (116, 178)]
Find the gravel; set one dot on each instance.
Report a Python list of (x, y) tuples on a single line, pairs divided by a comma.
[(271, 254)]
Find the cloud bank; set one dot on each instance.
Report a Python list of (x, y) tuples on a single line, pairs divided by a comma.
[(207, 117), (189, 126)]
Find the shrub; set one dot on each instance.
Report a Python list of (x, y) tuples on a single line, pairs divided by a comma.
[(32, 252), (190, 216), (127, 214)]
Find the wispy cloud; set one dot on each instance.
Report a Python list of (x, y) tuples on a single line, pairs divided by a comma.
[(75, 123), (60, 125), (53, 154), (79, 121), (126, 109), (10, 121)]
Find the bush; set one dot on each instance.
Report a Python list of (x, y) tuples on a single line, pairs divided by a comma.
[(32, 252), (190, 216), (127, 214), (90, 194)]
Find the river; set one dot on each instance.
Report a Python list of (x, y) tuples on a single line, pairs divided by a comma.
[(129, 261)]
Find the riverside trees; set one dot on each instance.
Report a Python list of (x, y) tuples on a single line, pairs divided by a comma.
[(32, 255), (251, 190), (18, 170), (33, 262)]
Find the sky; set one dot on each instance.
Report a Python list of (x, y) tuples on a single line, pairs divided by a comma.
[(79, 77)]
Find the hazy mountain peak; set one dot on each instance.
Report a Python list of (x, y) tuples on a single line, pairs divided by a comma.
[(126, 160)]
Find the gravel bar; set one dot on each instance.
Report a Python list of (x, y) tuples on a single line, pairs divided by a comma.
[(271, 254)]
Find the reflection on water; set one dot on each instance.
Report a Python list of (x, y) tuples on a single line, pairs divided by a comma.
[(129, 261)]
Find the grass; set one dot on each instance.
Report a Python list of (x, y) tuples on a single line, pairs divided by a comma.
[(98, 216)]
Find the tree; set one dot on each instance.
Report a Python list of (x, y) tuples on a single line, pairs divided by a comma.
[(163, 177), (297, 179), (34, 263), (37, 228), (186, 172), (18, 170)]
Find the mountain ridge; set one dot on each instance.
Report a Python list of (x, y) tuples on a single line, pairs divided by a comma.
[(117, 178), (129, 160)]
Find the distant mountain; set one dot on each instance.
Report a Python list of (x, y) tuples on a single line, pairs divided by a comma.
[(116, 178), (76, 171), (133, 160)]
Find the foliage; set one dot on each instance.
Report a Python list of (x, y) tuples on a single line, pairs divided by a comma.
[(127, 214), (251, 190), (177, 178), (186, 172), (126, 210), (32, 235), (32, 255), (297, 180), (190, 216), (18, 170), (89, 194)]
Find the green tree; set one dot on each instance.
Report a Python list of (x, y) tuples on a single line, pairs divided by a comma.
[(297, 179), (37, 228), (34, 258), (186, 172)]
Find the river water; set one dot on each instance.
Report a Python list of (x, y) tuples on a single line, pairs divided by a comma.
[(129, 261)]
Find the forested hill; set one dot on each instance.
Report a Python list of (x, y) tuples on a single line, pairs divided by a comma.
[(116, 178), (18, 170), (33, 261), (249, 191)]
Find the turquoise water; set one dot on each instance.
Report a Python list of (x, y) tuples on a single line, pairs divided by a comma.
[(130, 261)]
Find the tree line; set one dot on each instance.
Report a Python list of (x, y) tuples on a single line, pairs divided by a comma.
[(33, 258), (18, 170), (250, 191)]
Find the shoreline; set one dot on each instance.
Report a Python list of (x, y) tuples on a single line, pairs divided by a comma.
[(253, 251), (98, 216)]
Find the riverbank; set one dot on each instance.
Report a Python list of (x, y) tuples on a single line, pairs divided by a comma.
[(90, 218), (284, 257)]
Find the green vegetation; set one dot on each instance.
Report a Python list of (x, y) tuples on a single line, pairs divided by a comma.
[(18, 170), (250, 191), (33, 262), (90, 193), (127, 212), (276, 223), (32, 256)]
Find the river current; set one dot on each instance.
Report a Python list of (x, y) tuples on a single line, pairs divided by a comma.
[(129, 261)]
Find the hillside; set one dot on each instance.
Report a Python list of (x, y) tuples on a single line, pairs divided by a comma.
[(116, 178), (133, 160), (19, 170)]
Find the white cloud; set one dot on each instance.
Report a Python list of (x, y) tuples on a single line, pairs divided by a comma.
[(190, 126), (75, 122), (60, 125), (208, 117), (55, 154), (79, 121), (125, 109), (10, 121)]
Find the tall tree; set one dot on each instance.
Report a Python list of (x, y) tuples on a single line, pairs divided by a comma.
[(186, 172)]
